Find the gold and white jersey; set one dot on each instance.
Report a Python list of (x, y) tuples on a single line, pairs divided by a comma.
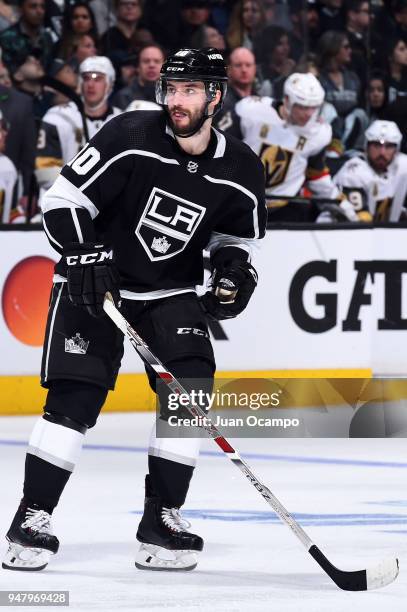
[(61, 137), (291, 155), (8, 178), (382, 194)]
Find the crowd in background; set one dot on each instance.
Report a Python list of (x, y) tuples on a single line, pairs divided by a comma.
[(357, 49)]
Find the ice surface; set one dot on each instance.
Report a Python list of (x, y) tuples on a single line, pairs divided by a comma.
[(349, 495)]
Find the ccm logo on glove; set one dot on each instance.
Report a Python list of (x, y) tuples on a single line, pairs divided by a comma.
[(89, 258)]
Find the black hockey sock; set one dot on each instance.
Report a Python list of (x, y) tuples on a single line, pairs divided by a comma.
[(43, 482), (169, 480)]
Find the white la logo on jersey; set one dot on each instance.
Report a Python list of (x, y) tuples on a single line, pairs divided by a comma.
[(174, 218)]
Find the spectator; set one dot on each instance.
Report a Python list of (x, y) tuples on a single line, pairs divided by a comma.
[(8, 15), (27, 37), (194, 17), (246, 21), (269, 7), (105, 17), (305, 27), (273, 52), (123, 39), (242, 79), (17, 109), (208, 37), (163, 19), (78, 20), (4, 76), (331, 15), (400, 18), (83, 46), (27, 77), (377, 95), (142, 87), (63, 72), (8, 179), (357, 28), (397, 68), (342, 86)]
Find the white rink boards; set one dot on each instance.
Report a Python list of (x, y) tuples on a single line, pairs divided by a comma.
[(349, 494)]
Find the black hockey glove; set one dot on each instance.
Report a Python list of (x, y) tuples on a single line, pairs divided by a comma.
[(232, 287), (90, 273)]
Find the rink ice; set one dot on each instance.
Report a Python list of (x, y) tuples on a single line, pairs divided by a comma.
[(356, 513)]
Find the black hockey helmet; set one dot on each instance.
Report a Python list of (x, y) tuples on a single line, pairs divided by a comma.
[(205, 65)]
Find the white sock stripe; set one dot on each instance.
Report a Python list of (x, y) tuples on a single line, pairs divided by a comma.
[(55, 443), (159, 452)]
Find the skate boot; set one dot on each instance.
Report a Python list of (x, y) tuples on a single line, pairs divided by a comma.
[(165, 542), (30, 538)]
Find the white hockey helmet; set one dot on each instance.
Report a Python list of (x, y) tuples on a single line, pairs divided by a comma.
[(384, 131), (98, 63), (304, 89)]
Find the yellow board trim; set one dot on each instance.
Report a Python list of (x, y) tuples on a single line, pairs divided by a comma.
[(23, 395)]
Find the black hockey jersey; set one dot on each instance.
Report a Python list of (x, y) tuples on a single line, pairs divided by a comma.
[(134, 188)]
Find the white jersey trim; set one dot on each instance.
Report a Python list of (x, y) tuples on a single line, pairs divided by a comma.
[(154, 295), (165, 160), (218, 240), (246, 192), (51, 329), (133, 295), (77, 225), (50, 237), (63, 194), (221, 146)]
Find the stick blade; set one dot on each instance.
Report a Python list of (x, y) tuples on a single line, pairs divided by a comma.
[(383, 574), (360, 580)]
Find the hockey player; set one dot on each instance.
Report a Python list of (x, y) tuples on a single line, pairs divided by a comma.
[(8, 180), (141, 201), (291, 142), (61, 135), (377, 181)]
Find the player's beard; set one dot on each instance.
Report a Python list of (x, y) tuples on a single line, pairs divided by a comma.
[(380, 164), (195, 119)]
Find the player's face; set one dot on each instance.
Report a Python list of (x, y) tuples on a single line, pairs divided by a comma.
[(186, 104), (380, 155), (94, 87), (300, 115)]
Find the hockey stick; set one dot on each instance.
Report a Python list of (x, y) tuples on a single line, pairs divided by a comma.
[(379, 576)]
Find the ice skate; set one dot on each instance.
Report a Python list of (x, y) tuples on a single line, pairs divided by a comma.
[(30, 538), (165, 542)]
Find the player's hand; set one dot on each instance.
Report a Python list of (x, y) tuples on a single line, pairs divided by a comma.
[(232, 287), (90, 273)]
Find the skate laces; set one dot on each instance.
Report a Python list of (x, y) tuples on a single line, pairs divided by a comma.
[(37, 520), (172, 518)]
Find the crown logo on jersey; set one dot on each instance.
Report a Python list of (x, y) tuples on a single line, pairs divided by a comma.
[(161, 245), (192, 167), (76, 344)]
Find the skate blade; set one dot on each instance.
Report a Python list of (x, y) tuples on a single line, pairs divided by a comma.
[(25, 559), (157, 558)]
